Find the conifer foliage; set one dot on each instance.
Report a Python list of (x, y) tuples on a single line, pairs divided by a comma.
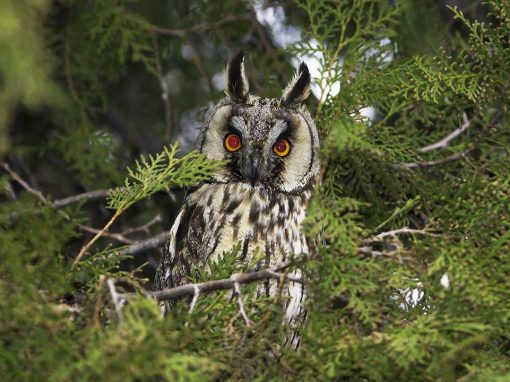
[(409, 229)]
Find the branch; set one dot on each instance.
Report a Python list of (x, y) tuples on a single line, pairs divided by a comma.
[(134, 246), (118, 300), (195, 290), (116, 236), (196, 294), (99, 233), (164, 88), (240, 304), (145, 227), (404, 230), (446, 140), (24, 184), (216, 285), (173, 32), (97, 194), (142, 245), (436, 162), (200, 27), (59, 203)]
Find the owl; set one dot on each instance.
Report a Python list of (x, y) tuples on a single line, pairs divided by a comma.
[(258, 199)]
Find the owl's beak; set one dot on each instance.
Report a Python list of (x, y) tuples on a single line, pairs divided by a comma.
[(253, 168), (255, 171)]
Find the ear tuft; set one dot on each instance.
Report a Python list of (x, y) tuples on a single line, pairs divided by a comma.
[(298, 88), (236, 82)]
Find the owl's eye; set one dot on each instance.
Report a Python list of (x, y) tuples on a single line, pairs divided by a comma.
[(282, 147), (232, 142)]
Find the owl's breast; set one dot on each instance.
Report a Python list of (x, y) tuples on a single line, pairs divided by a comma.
[(236, 213)]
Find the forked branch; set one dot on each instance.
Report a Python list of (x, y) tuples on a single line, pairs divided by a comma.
[(224, 284), (195, 290)]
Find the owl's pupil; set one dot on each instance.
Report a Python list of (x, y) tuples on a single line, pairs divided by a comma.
[(234, 142), (280, 146)]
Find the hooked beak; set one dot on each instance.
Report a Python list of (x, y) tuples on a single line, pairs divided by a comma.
[(254, 171)]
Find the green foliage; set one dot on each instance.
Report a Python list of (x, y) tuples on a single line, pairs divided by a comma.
[(427, 304), (116, 36), (82, 148), (160, 172), (21, 42)]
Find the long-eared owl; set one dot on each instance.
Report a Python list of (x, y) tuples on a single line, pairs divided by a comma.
[(258, 199)]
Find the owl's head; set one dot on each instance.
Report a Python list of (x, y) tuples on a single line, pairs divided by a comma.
[(270, 143)]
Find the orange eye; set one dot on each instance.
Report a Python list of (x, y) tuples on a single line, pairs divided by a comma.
[(282, 147), (232, 142)]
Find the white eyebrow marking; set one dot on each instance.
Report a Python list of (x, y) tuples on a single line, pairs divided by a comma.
[(279, 127), (238, 123)]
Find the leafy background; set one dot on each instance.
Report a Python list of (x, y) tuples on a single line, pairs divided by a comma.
[(409, 228)]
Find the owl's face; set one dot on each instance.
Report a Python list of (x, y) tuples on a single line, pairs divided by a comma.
[(270, 144)]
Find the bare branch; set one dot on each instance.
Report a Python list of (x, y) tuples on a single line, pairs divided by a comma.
[(204, 27), (97, 305), (96, 194), (200, 27), (58, 203), (118, 300), (144, 228), (142, 245), (436, 162), (134, 246), (285, 276), (196, 294), (404, 230), (116, 236), (69, 79), (164, 88), (24, 184), (240, 304), (233, 282), (223, 284), (446, 140), (99, 233)]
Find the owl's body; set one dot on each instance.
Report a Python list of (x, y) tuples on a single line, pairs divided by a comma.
[(258, 200)]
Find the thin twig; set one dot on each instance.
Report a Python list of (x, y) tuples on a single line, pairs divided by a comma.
[(174, 32), (58, 203), (96, 194), (66, 201), (69, 78), (116, 236), (404, 230), (134, 246), (117, 299), (100, 233), (436, 162), (97, 305), (240, 304), (196, 294), (142, 245), (200, 27), (285, 276), (145, 227), (24, 184), (446, 140), (164, 87), (268, 45)]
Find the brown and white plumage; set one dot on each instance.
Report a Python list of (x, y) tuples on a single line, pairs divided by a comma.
[(259, 198)]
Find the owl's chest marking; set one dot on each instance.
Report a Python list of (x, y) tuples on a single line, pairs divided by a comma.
[(237, 213)]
